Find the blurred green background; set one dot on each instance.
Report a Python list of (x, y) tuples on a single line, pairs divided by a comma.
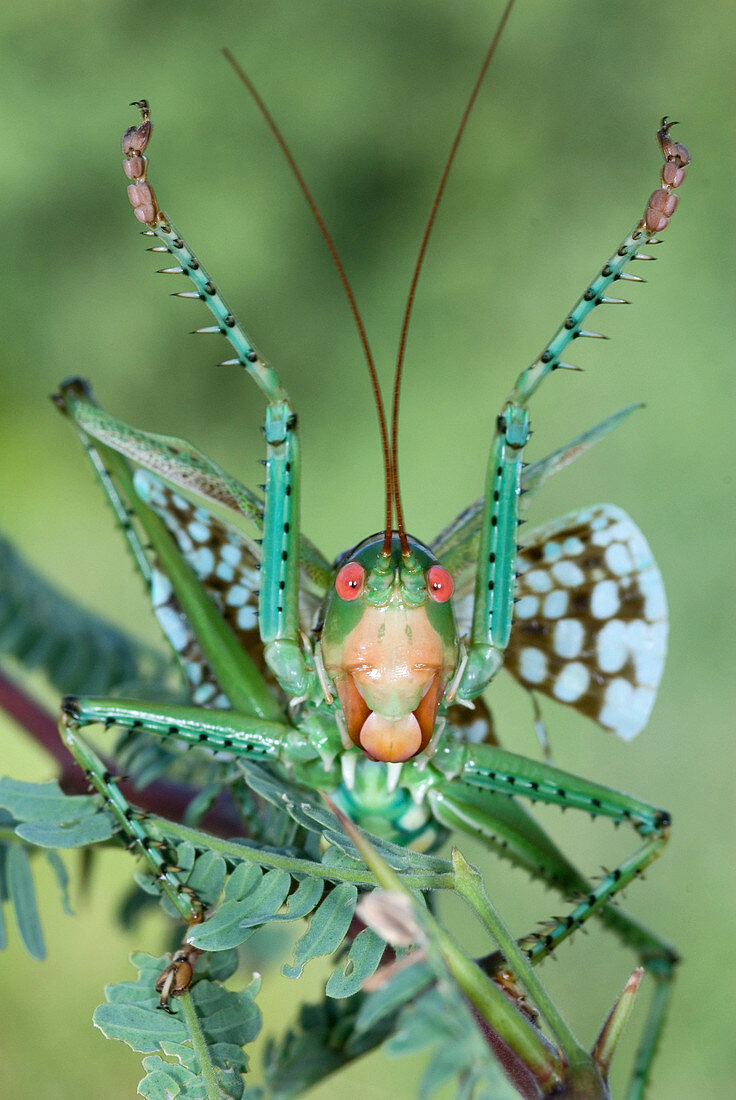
[(556, 165)]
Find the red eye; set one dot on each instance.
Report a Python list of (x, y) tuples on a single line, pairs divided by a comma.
[(349, 581), (439, 583)]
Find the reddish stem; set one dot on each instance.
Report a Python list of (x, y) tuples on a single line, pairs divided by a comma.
[(162, 796)]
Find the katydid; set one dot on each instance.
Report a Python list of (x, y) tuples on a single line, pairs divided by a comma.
[(352, 676)]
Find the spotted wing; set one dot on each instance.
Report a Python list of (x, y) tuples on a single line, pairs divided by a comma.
[(225, 561), (590, 624), (202, 684)]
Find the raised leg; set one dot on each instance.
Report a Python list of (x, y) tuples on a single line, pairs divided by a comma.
[(496, 562), (279, 591)]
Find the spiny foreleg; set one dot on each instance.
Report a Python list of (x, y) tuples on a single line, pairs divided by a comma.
[(497, 550), (279, 589)]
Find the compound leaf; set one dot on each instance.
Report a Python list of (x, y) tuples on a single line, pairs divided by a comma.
[(235, 921), (441, 1020)]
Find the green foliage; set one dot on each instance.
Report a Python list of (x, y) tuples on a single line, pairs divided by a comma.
[(244, 893), (18, 885), (252, 898), (361, 961), (77, 650), (40, 814), (196, 1049), (322, 1040), (48, 817), (440, 1022), (228, 1022)]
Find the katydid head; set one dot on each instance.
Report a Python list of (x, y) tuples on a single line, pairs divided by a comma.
[(389, 641), (390, 645)]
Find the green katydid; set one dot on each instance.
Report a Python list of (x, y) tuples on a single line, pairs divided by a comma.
[(351, 676)]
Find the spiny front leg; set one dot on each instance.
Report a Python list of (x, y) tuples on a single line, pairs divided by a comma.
[(660, 207), (496, 562), (279, 588)]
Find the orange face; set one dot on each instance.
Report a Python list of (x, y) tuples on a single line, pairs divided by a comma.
[(390, 663)]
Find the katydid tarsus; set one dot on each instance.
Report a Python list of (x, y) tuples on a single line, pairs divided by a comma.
[(351, 676)]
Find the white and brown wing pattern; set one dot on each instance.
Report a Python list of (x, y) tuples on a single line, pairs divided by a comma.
[(590, 622), (226, 567)]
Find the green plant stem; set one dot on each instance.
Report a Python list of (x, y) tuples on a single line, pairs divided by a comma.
[(497, 1009), (243, 852), (481, 991), (470, 886), (199, 1045)]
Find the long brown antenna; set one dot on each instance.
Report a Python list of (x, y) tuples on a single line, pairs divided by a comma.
[(417, 269), (387, 464)]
